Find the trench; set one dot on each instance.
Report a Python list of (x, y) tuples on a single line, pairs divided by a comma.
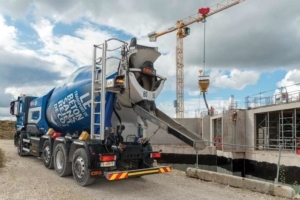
[(263, 171)]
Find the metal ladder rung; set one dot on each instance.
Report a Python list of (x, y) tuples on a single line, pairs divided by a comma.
[(97, 91), (97, 102), (97, 124)]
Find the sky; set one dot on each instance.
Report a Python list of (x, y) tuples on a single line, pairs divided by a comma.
[(250, 48)]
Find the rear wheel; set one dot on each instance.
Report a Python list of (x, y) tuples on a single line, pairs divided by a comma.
[(81, 173), (47, 158), (61, 165)]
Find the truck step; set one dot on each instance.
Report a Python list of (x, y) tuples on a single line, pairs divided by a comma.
[(26, 140), (35, 138), (25, 149)]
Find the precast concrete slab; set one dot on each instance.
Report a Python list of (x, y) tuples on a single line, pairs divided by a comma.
[(239, 182)]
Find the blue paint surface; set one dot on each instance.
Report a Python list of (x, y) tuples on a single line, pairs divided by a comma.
[(68, 109), (42, 124)]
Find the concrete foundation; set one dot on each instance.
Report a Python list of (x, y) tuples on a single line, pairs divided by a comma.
[(237, 154), (238, 182)]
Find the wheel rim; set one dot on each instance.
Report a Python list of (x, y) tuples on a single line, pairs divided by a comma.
[(59, 160), (46, 154), (79, 167)]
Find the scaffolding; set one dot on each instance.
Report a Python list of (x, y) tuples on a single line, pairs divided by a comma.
[(277, 128)]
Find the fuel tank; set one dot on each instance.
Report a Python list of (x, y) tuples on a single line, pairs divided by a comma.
[(69, 107)]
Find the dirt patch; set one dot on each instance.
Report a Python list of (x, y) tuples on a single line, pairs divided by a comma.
[(7, 129), (1, 158)]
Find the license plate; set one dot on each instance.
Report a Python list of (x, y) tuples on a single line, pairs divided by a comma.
[(107, 164)]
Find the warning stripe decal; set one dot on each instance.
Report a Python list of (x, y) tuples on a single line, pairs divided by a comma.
[(165, 169), (123, 175), (117, 176)]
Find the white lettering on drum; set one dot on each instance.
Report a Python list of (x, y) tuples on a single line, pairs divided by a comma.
[(71, 109)]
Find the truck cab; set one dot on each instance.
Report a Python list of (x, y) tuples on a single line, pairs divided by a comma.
[(19, 108)]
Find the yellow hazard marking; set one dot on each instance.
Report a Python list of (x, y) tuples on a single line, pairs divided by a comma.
[(123, 175), (113, 177), (161, 170), (143, 172), (164, 169)]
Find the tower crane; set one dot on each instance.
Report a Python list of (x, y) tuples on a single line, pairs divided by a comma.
[(182, 31)]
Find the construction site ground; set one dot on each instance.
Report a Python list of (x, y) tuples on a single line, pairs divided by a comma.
[(27, 178), (7, 129)]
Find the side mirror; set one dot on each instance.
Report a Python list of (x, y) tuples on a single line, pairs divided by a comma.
[(12, 108)]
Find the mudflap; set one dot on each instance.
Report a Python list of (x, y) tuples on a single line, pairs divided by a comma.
[(118, 175)]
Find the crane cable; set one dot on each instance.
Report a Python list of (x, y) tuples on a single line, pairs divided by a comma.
[(204, 96)]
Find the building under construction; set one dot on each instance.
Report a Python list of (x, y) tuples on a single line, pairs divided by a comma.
[(244, 141)]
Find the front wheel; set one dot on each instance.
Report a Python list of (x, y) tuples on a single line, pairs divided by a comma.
[(81, 173), (61, 165), (47, 157), (20, 147)]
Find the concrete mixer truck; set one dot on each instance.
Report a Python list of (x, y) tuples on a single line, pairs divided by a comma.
[(79, 126)]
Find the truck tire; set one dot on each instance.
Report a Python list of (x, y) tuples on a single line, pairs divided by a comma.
[(81, 173), (47, 157), (61, 165), (20, 147)]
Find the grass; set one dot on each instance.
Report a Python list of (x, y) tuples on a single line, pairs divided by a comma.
[(7, 129), (1, 158)]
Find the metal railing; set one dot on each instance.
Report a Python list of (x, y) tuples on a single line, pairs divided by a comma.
[(230, 106), (286, 144), (277, 96)]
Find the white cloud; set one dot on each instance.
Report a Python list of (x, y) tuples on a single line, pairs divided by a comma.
[(290, 84), (29, 90), (237, 79), (8, 35), (194, 107), (5, 115), (291, 78)]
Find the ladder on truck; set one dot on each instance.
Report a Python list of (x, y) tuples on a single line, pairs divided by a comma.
[(99, 85)]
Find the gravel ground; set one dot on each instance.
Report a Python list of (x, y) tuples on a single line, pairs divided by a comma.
[(27, 178)]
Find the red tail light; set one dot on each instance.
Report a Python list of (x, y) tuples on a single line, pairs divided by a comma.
[(155, 155), (56, 135), (107, 158)]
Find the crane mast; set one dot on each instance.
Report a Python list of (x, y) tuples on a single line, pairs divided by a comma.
[(179, 78), (182, 31)]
